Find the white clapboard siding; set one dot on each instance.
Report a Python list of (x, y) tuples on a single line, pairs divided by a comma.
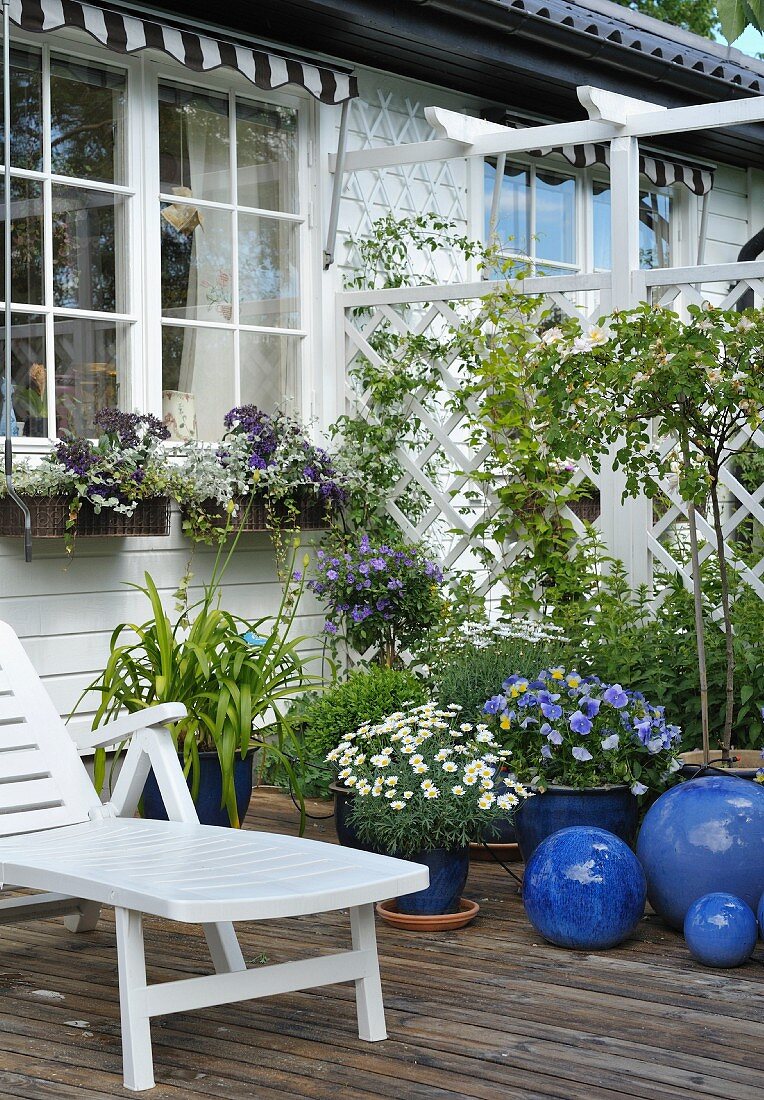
[(65, 608), (728, 216)]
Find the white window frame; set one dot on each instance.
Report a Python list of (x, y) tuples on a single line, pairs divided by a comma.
[(144, 73)]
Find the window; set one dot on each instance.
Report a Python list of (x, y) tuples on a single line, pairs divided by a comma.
[(158, 236), (70, 208), (561, 221), (230, 230)]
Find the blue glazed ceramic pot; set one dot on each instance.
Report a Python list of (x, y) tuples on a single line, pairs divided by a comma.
[(346, 831), (210, 791), (448, 875), (703, 837), (720, 930), (612, 808), (584, 888)]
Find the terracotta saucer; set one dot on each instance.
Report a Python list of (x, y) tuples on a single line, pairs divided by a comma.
[(435, 922)]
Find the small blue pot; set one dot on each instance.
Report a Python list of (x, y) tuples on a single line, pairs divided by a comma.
[(448, 875), (614, 809), (346, 831), (210, 790)]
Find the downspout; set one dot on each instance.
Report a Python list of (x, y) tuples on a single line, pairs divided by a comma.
[(8, 398)]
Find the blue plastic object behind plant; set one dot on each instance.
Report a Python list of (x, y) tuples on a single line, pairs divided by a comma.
[(720, 930), (614, 809), (584, 888), (448, 875), (704, 836), (210, 796)]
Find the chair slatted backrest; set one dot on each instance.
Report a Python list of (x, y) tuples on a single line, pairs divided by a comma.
[(43, 782)]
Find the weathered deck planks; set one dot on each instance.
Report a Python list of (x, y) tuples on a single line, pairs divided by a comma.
[(487, 1013)]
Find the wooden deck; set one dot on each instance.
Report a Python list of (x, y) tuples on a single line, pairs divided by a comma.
[(488, 1012)]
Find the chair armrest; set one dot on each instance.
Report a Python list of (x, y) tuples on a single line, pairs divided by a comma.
[(114, 732)]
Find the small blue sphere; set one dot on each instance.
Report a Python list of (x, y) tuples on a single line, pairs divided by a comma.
[(703, 836), (720, 930), (584, 888)]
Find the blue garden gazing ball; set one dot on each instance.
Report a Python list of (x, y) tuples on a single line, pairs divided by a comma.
[(700, 837), (584, 888), (720, 930)]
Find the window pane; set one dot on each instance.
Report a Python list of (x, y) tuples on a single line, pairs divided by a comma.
[(92, 370), (198, 363), (26, 111), (26, 242), (654, 235), (555, 228), (266, 152), (197, 280), (194, 147), (87, 108), (654, 228), (269, 369), (89, 249), (512, 226), (269, 289), (29, 379)]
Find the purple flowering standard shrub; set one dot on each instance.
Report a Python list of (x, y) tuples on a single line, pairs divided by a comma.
[(380, 597), (572, 731)]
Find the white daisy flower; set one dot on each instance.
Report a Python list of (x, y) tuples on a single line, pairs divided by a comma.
[(458, 790), (486, 801), (398, 805)]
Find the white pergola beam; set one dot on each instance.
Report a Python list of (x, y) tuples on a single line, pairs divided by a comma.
[(463, 136)]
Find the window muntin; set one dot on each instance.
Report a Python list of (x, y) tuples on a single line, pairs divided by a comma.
[(230, 246), (70, 254)]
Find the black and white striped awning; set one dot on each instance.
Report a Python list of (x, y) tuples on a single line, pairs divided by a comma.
[(128, 34), (662, 171)]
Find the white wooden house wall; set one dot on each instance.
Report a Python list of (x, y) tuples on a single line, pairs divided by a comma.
[(65, 608)]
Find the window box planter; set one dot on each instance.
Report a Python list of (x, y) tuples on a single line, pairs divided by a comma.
[(49, 515), (150, 518), (311, 514)]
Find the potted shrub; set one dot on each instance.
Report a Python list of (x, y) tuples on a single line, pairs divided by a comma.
[(424, 783), (364, 698), (380, 598), (477, 668), (589, 749), (265, 473), (228, 672)]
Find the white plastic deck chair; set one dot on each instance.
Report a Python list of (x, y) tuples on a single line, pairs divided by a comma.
[(57, 837)]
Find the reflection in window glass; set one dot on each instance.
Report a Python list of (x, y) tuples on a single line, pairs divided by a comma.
[(268, 281), (555, 228), (87, 108), (89, 249), (198, 364), (266, 153), (26, 111), (194, 145), (654, 228), (269, 373), (29, 405), (197, 276), (26, 240), (513, 223), (92, 370)]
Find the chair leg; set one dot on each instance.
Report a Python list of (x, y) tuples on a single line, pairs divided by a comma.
[(137, 1062), (368, 989), (224, 948), (86, 919)]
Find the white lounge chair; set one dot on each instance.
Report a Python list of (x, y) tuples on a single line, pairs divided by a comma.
[(57, 836)]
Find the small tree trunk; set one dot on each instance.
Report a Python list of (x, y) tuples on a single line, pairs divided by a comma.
[(729, 710), (697, 591)]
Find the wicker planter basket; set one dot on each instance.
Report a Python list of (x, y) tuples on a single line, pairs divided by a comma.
[(150, 518), (253, 515), (49, 516)]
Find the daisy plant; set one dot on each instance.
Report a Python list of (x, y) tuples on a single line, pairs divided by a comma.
[(573, 731), (423, 779)]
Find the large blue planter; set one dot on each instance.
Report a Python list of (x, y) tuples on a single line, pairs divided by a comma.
[(210, 790), (448, 875), (612, 808), (584, 888), (703, 837)]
